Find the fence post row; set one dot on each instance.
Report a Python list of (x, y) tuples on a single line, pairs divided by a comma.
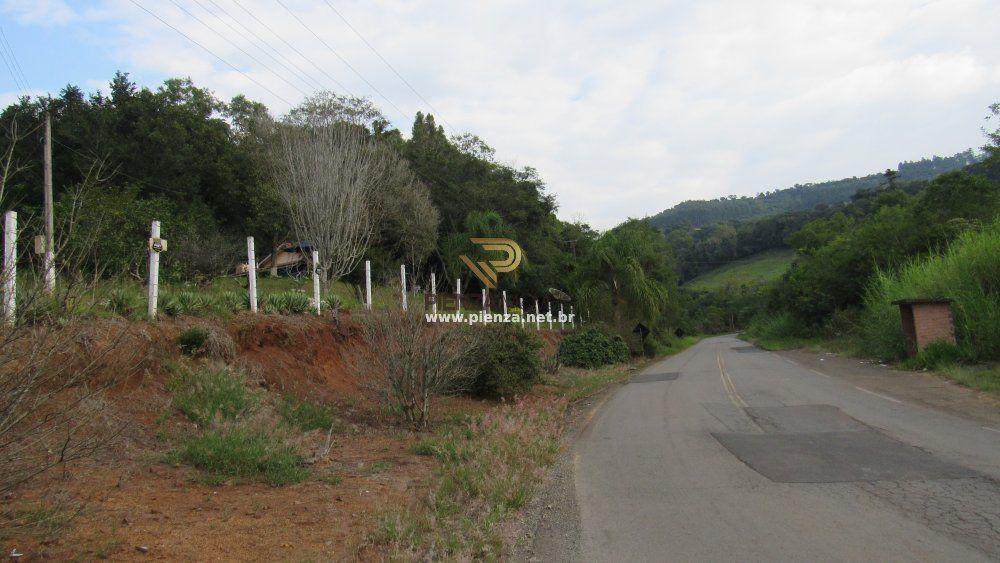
[(368, 284), (10, 267), (315, 260), (252, 275), (154, 271)]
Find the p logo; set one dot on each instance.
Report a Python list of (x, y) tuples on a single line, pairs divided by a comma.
[(487, 271)]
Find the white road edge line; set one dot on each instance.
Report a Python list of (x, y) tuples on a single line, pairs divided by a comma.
[(793, 362), (878, 395), (820, 373), (993, 429)]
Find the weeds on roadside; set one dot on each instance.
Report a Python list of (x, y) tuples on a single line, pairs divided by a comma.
[(489, 466), (238, 451), (305, 415), (205, 394)]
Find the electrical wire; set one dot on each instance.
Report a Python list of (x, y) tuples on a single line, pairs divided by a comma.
[(343, 60), (209, 51), (388, 64)]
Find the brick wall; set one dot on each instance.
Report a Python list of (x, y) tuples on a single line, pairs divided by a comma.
[(933, 321)]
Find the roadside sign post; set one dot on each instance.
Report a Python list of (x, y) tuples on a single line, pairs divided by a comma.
[(10, 267), (252, 275)]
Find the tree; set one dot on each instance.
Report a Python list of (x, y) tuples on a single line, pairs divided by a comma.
[(628, 271)]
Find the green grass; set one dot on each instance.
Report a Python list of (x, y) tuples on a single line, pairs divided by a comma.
[(982, 378), (305, 415), (237, 452), (757, 269), (209, 394)]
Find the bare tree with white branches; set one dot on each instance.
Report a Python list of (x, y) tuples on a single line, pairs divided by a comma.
[(328, 176)]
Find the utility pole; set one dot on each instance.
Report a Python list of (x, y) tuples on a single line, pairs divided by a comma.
[(48, 260)]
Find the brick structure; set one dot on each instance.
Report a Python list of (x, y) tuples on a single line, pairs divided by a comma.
[(925, 321)]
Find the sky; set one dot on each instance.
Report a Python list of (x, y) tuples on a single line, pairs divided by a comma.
[(624, 108)]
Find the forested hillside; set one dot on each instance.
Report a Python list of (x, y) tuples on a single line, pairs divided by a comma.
[(698, 213)]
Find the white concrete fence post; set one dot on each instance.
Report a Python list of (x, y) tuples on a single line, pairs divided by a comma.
[(316, 299), (154, 272), (368, 285), (549, 315), (505, 303), (538, 321), (521, 301), (10, 267), (484, 300), (434, 301), (252, 275), (458, 295), (572, 318), (402, 279)]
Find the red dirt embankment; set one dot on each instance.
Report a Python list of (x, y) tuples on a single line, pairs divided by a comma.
[(137, 506)]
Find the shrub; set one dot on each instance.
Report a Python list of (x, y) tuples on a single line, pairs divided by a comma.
[(244, 453), (183, 302), (306, 415), (207, 394), (508, 360), (408, 363), (592, 348), (122, 302), (287, 303), (232, 301), (193, 341)]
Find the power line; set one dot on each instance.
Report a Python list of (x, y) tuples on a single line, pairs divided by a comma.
[(343, 60), (209, 51), (292, 47), (388, 64), (16, 72), (233, 43), (298, 72)]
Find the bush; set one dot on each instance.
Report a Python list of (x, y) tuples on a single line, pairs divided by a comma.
[(204, 395), (287, 303), (592, 348), (937, 355), (508, 360), (306, 415), (123, 302), (243, 453), (193, 341), (408, 363)]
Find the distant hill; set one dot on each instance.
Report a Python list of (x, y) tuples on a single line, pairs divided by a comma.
[(757, 269), (698, 213)]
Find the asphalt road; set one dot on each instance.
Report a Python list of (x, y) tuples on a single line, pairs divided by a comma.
[(730, 453)]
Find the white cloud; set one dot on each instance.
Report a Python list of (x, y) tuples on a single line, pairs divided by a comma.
[(40, 12), (624, 109)]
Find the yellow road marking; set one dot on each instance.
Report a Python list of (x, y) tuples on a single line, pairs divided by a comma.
[(727, 382)]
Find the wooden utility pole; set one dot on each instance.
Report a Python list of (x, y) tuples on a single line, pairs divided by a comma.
[(49, 259)]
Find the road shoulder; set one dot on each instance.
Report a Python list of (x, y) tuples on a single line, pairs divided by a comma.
[(917, 388)]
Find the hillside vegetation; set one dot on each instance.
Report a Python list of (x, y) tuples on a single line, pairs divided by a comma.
[(757, 269), (699, 213)]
